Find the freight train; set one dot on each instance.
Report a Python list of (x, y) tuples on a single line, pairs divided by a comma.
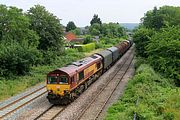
[(67, 83)]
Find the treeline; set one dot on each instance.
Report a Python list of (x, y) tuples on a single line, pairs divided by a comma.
[(98, 28), (28, 38), (109, 33), (158, 41)]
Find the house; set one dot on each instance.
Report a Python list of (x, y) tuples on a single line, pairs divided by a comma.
[(72, 38), (69, 36)]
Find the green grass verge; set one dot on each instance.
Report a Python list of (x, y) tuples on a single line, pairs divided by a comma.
[(158, 99)]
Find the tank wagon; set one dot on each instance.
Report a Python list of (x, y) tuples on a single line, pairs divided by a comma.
[(67, 83)]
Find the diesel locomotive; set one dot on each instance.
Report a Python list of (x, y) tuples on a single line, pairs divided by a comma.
[(67, 83)]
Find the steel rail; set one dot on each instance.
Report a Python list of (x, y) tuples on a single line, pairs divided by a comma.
[(23, 103), (21, 98), (97, 115), (47, 110)]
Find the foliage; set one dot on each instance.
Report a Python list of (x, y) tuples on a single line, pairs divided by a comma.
[(14, 27), (88, 39), (95, 19), (157, 99), (70, 26), (163, 52), (18, 43), (141, 38), (47, 26), (158, 40), (95, 29), (76, 31), (86, 48), (106, 42), (165, 16), (16, 59), (110, 30)]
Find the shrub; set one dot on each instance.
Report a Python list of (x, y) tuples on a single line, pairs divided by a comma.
[(163, 52), (17, 60), (141, 38), (86, 48), (106, 42), (88, 39)]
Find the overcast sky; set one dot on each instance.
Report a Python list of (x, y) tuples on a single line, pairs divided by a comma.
[(82, 11)]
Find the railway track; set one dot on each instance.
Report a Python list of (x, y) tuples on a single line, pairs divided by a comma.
[(95, 107), (50, 113), (20, 102)]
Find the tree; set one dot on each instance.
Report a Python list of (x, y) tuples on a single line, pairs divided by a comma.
[(112, 30), (95, 19), (163, 52), (163, 17), (48, 27), (18, 44), (76, 31), (88, 39), (14, 27), (70, 26), (141, 38), (16, 59), (95, 29), (153, 19)]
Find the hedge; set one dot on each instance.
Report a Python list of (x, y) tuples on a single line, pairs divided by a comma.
[(86, 48)]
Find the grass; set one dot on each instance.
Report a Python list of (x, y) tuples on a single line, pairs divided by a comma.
[(158, 99)]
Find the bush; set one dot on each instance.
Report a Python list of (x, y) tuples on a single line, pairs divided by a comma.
[(86, 48), (106, 42), (88, 39), (141, 38), (163, 52), (17, 60)]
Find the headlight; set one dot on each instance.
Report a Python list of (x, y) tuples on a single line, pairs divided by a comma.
[(50, 91)]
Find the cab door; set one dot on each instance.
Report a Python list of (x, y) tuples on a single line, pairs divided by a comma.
[(73, 82)]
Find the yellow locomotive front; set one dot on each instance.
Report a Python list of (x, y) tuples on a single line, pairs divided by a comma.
[(58, 88)]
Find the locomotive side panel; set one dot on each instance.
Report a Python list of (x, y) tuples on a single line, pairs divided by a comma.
[(84, 74)]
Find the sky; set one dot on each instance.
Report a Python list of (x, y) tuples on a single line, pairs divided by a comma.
[(81, 11)]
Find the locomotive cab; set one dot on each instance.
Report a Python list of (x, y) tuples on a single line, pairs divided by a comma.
[(58, 86)]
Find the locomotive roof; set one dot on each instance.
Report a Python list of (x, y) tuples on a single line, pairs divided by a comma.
[(79, 65)]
